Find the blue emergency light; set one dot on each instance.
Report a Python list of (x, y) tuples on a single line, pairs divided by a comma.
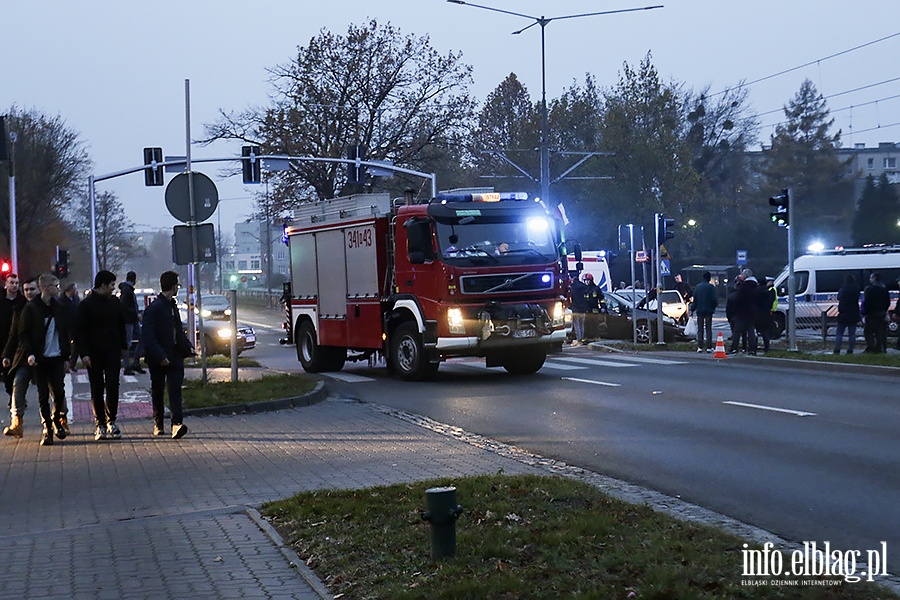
[(481, 197)]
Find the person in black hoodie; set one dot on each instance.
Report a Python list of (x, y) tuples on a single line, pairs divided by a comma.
[(132, 325), (43, 331), (11, 302), (745, 311), (848, 314), (876, 302), (100, 337)]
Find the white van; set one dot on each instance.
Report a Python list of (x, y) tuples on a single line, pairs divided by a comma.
[(593, 262), (818, 277)]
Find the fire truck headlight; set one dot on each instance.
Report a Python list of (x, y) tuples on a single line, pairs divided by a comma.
[(538, 224), (559, 315), (455, 320)]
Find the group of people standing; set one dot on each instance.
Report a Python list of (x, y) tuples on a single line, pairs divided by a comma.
[(748, 309), (42, 335), (873, 310)]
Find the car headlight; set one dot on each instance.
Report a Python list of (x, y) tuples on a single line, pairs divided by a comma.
[(559, 314), (455, 320), (227, 312), (205, 313), (224, 332)]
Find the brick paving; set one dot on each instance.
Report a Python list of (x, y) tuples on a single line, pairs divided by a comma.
[(152, 517)]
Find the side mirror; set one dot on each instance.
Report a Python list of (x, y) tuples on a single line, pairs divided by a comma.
[(576, 248)]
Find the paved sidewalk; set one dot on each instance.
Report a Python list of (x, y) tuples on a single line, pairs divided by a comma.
[(147, 517)]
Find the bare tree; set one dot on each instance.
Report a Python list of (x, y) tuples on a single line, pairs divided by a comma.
[(51, 167), (116, 238), (391, 94)]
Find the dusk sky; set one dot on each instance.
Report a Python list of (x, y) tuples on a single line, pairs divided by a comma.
[(115, 71)]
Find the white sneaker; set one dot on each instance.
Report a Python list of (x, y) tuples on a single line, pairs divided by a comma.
[(100, 434), (114, 431)]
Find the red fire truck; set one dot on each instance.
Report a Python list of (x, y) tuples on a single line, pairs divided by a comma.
[(465, 274)]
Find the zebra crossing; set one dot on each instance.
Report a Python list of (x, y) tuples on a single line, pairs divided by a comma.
[(557, 362)]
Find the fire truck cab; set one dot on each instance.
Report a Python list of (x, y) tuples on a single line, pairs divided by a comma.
[(465, 274)]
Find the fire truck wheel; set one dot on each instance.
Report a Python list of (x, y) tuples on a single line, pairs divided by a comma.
[(525, 362), (408, 357), (315, 358)]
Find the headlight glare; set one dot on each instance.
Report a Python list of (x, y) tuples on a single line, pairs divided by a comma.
[(455, 320), (224, 332)]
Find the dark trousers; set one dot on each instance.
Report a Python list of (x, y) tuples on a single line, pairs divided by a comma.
[(135, 344), (704, 331), (744, 327), (166, 378), (876, 332), (48, 377), (103, 375), (764, 330)]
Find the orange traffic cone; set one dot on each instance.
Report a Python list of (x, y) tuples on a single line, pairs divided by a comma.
[(720, 347)]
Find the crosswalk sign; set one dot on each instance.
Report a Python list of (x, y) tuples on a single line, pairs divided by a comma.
[(664, 268)]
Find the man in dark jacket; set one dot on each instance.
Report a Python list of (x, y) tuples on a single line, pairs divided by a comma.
[(165, 347), (100, 335), (745, 312), (876, 301), (848, 314), (706, 299), (765, 298), (16, 407), (132, 325), (11, 302), (43, 331)]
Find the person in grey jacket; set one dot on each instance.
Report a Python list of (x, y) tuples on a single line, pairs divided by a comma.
[(706, 299)]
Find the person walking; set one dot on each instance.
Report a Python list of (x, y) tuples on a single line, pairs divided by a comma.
[(745, 312), (10, 304), (166, 346), (132, 317), (848, 314), (43, 331), (706, 299), (876, 302), (11, 372), (100, 335)]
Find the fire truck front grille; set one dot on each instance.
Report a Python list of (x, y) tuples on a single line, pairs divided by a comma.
[(506, 283)]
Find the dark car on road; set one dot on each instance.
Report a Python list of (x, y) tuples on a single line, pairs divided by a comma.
[(617, 322)]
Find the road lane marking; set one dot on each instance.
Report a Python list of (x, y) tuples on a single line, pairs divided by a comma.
[(350, 377), (593, 361), (798, 413), (561, 366), (645, 360), (593, 382)]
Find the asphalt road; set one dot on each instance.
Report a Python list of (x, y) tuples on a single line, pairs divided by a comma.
[(809, 454)]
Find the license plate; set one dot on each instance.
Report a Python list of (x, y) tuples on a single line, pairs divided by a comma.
[(250, 338), (525, 333)]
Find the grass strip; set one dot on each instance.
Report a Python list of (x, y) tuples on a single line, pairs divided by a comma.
[(218, 361), (224, 393), (520, 537)]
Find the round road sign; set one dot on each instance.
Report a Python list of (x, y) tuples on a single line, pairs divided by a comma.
[(206, 197)]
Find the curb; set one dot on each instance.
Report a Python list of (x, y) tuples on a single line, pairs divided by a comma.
[(292, 557), (316, 395)]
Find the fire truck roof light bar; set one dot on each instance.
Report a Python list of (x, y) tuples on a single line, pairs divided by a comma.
[(482, 197)]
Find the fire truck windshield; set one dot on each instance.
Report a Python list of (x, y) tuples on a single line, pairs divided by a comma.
[(480, 241)]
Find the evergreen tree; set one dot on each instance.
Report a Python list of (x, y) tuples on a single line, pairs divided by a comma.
[(804, 158), (877, 214)]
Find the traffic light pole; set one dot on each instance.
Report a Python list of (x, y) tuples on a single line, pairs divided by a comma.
[(792, 293), (660, 333)]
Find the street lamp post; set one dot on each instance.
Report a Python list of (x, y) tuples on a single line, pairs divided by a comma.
[(545, 126)]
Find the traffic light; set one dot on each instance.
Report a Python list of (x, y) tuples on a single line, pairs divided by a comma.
[(251, 166), (61, 269), (153, 175), (665, 229), (5, 268), (781, 216)]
